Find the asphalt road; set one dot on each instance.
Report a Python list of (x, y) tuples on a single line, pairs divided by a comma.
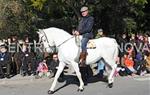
[(18, 85)]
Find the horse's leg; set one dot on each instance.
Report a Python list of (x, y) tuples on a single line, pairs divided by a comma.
[(76, 69), (113, 67), (59, 71)]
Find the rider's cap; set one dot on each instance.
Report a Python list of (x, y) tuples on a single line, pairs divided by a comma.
[(84, 8)]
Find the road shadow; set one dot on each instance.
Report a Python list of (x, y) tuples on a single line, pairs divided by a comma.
[(72, 79)]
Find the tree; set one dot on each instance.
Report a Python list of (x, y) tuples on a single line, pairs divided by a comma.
[(15, 18), (113, 16), (117, 16)]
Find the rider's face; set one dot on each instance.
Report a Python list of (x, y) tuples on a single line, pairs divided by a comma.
[(84, 13)]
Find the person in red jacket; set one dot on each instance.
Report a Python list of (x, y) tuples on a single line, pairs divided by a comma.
[(129, 63)]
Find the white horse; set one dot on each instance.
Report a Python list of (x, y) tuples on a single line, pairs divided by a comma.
[(69, 51)]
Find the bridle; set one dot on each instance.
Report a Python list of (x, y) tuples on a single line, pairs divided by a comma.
[(53, 47), (47, 41)]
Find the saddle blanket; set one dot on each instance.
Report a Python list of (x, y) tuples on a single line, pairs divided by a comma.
[(91, 45)]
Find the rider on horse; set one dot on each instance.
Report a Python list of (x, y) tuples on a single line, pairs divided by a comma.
[(84, 29)]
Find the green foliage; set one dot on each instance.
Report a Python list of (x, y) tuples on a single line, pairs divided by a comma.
[(113, 16), (15, 18), (116, 16), (130, 25), (38, 3), (139, 2)]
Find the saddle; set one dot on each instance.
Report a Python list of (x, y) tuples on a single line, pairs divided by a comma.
[(90, 45)]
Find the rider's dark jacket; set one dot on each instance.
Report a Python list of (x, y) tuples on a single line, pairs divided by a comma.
[(85, 26)]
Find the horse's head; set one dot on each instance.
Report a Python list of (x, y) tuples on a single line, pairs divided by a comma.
[(47, 42)]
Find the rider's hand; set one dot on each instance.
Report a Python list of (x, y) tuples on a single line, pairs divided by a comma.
[(77, 33)]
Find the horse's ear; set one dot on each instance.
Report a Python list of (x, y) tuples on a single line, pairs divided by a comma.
[(39, 31)]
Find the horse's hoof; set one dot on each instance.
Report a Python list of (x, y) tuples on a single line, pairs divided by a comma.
[(80, 90), (50, 92), (110, 85), (60, 79)]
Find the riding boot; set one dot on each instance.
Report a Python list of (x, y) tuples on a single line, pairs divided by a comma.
[(82, 59)]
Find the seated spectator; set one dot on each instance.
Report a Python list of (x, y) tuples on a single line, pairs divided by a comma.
[(129, 63), (147, 62), (5, 61), (139, 63), (42, 69), (53, 65), (27, 67)]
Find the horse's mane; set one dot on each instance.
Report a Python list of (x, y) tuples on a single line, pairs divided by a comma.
[(57, 30), (58, 35)]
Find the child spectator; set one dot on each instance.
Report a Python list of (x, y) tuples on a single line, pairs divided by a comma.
[(42, 69)]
